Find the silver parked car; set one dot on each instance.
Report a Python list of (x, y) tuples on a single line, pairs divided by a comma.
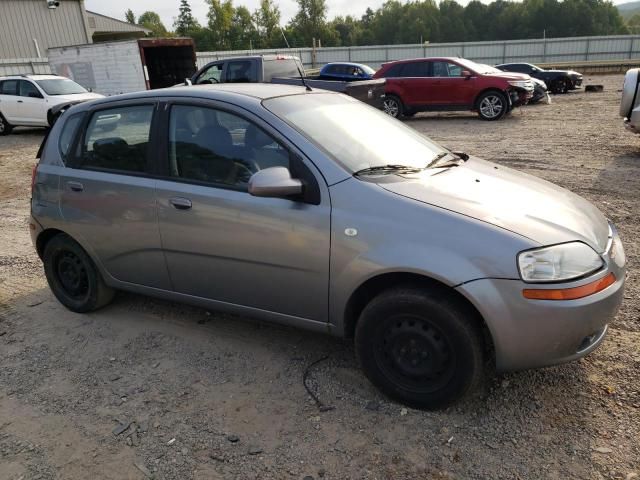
[(312, 209)]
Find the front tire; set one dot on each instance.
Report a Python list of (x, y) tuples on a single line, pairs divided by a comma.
[(73, 277), (420, 347), (492, 105), (560, 86), (393, 106), (5, 127)]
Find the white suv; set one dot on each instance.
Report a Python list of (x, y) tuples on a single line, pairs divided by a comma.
[(26, 100)]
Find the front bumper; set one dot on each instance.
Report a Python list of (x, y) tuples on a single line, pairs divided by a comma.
[(537, 333), (576, 82), (520, 96)]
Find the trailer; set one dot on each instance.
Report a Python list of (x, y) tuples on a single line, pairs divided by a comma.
[(111, 68)]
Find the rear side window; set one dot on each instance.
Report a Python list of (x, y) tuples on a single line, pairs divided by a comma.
[(68, 133), (415, 69), (282, 67), (239, 72), (9, 87), (117, 139)]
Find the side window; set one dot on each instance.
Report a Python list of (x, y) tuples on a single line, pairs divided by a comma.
[(239, 72), (118, 138), (446, 69), (218, 147), (394, 71), (213, 74), (68, 133), (28, 89), (9, 87), (415, 69)]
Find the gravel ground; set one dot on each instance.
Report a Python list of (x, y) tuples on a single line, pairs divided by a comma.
[(146, 388)]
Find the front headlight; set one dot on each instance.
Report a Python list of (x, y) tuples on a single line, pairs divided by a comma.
[(558, 263), (520, 83)]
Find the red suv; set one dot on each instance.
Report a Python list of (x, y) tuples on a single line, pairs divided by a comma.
[(437, 84)]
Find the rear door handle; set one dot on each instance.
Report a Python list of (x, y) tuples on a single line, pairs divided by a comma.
[(19, 101), (180, 203), (76, 186)]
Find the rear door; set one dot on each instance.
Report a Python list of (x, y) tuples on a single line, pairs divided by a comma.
[(222, 243), (416, 83), (10, 101), (33, 108), (108, 193), (449, 87)]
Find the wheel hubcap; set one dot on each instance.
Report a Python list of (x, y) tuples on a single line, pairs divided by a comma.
[(390, 107), (491, 106), (72, 274), (416, 354)]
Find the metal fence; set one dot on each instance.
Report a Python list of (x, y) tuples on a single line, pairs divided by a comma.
[(545, 51), (13, 66), (549, 50)]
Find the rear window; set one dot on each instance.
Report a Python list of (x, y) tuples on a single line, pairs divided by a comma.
[(284, 67), (68, 133)]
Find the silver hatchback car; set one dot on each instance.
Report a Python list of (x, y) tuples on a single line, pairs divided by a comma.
[(312, 209)]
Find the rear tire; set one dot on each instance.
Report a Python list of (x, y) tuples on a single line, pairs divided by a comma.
[(5, 127), (420, 347), (393, 106), (492, 105), (73, 277)]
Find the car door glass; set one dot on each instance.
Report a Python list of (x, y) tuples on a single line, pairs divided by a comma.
[(9, 87), (117, 139), (415, 69), (28, 89), (213, 74), (68, 133), (238, 72), (220, 148), (446, 69)]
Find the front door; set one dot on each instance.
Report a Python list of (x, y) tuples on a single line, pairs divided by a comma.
[(33, 108), (449, 87), (108, 196), (222, 243)]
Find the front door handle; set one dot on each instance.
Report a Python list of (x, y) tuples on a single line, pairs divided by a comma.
[(180, 203), (75, 186), (19, 101)]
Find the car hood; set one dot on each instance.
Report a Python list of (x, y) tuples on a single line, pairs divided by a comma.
[(521, 203), (75, 97), (564, 72), (509, 75)]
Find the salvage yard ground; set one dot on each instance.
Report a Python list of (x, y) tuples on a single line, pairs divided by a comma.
[(151, 388)]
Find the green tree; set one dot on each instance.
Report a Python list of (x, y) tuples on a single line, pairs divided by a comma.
[(129, 16), (243, 34), (151, 20), (186, 24), (267, 21), (220, 21), (311, 22)]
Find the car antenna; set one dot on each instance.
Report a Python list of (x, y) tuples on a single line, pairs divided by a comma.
[(302, 78)]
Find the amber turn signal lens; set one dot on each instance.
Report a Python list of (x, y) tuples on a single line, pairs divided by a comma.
[(570, 293)]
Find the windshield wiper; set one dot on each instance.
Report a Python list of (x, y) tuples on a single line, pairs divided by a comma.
[(454, 162), (383, 169)]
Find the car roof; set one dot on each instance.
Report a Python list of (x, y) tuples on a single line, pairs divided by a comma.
[(224, 91), (407, 60), (349, 64)]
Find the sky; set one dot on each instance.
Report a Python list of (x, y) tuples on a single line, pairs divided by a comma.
[(168, 9)]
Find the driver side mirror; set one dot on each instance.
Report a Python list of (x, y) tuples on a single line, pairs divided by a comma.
[(274, 182), (466, 74)]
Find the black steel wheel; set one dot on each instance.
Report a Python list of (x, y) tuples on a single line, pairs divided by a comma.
[(420, 346), (5, 127), (73, 277)]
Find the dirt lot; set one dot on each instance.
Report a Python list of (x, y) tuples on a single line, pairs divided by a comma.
[(210, 396)]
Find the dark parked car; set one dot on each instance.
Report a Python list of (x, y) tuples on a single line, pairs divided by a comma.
[(437, 84), (285, 70), (558, 81), (346, 71)]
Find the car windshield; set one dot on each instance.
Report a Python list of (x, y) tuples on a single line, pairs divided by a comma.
[(60, 86), (488, 69), (367, 69), (354, 134), (475, 67)]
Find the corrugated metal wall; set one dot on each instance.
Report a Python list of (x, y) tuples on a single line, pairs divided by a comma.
[(21, 21), (620, 47)]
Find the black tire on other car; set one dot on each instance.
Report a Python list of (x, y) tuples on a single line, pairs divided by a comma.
[(73, 277), (5, 127), (492, 105), (420, 347), (393, 106), (560, 85)]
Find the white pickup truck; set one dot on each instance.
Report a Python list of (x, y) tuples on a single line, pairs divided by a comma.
[(630, 101)]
